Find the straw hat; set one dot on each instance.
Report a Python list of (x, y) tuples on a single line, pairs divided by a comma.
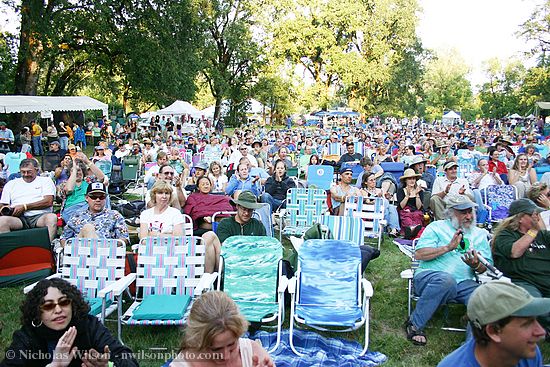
[(409, 173)]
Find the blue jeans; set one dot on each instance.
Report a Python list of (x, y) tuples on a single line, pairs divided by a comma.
[(390, 214), (63, 142), (273, 203), (482, 214), (37, 145), (436, 288)]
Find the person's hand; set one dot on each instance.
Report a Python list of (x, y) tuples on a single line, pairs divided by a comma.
[(455, 241), (93, 358), (81, 156), (18, 210), (462, 190), (471, 259), (538, 222), (544, 201), (448, 188), (64, 351), (264, 362)]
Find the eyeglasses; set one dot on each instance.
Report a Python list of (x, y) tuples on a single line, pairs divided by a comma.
[(97, 197), (169, 173), (242, 148), (244, 209), (49, 306)]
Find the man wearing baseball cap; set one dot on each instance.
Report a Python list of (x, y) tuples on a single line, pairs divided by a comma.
[(521, 247), (447, 186), (96, 221), (506, 331)]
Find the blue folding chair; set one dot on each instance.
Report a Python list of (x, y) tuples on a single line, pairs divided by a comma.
[(320, 176), (395, 168), (328, 292)]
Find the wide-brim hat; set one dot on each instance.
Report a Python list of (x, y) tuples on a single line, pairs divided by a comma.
[(247, 199), (417, 159), (409, 173), (450, 164)]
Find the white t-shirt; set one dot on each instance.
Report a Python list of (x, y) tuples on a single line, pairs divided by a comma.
[(162, 223), (19, 192)]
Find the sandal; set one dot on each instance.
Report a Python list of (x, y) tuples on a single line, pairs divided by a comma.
[(413, 332)]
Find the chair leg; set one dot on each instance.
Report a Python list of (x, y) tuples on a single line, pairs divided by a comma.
[(291, 331), (119, 323), (409, 300), (279, 324), (366, 305)]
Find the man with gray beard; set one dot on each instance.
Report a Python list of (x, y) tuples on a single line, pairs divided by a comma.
[(447, 254)]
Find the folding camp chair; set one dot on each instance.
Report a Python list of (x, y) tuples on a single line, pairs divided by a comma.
[(320, 176), (395, 168), (355, 167), (263, 214), (105, 167), (93, 264), (344, 228), (130, 168), (328, 291), (258, 260), (12, 161), (303, 208), (371, 211), (170, 272), (498, 199)]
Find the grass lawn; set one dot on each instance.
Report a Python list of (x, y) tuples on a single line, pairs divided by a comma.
[(388, 312)]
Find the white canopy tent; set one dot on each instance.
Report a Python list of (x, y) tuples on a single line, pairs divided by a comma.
[(451, 115), (179, 108), (47, 104), (515, 116)]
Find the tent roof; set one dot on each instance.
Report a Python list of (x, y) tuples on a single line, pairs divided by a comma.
[(515, 116), (544, 105), (451, 115), (180, 108), (20, 104)]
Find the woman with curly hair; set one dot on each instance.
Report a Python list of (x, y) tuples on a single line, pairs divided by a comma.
[(214, 327), (58, 331)]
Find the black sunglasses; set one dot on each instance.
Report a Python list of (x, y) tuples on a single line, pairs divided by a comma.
[(48, 306), (95, 197)]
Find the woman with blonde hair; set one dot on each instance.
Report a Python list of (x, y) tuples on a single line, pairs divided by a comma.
[(214, 328), (522, 175), (161, 219)]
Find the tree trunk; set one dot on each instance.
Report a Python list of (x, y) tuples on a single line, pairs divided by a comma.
[(30, 48)]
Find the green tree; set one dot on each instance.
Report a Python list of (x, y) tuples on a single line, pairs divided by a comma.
[(445, 85), (7, 63), (501, 95), (230, 55)]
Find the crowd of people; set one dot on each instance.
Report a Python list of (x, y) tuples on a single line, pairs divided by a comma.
[(437, 200)]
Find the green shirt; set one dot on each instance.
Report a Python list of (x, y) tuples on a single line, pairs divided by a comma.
[(533, 266), (229, 227), (78, 195)]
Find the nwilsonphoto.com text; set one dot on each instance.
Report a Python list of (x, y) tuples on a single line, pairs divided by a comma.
[(140, 355)]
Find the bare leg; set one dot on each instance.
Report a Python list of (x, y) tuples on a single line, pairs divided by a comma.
[(88, 231), (213, 250), (50, 221), (8, 224)]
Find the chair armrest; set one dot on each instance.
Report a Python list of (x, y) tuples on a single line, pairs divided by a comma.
[(280, 213), (407, 274), (367, 288), (292, 285), (206, 282), (30, 287), (283, 283), (117, 287)]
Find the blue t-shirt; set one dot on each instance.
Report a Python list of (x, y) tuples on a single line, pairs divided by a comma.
[(464, 357)]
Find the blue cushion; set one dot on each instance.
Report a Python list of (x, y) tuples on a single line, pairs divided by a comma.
[(162, 307), (95, 305)]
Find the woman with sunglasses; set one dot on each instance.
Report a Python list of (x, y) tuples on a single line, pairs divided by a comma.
[(56, 330)]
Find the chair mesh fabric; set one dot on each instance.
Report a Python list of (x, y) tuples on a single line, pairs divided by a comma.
[(250, 274), (499, 197), (91, 264), (345, 228), (304, 206), (371, 210), (328, 283)]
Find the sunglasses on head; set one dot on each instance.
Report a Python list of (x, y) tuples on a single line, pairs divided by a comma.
[(97, 196), (48, 306)]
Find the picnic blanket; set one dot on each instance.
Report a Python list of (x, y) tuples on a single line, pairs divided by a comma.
[(319, 351)]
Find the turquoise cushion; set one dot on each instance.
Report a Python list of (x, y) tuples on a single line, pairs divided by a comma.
[(162, 307), (95, 305)]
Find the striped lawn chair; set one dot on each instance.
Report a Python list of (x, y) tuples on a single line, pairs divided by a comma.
[(371, 211), (344, 228), (92, 265), (258, 260), (170, 272), (328, 292), (303, 208)]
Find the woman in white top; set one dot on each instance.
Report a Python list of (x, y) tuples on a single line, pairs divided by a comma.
[(214, 329), (161, 219), (219, 179), (522, 175)]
